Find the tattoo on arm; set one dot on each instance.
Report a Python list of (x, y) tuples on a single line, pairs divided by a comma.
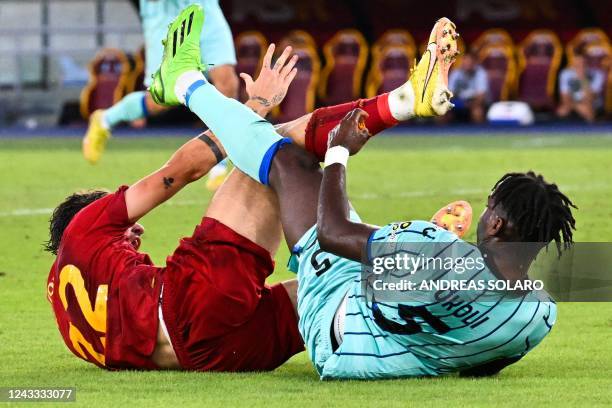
[(168, 181), (262, 101), (276, 99), (213, 147)]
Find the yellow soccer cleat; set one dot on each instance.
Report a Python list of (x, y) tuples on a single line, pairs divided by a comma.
[(429, 79), (95, 139)]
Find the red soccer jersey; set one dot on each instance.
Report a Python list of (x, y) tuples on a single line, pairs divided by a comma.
[(104, 293)]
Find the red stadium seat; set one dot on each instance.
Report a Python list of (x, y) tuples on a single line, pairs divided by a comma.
[(346, 54), (599, 55), (583, 39), (300, 98), (250, 49), (393, 55), (300, 38), (498, 61), (394, 37), (390, 69), (539, 56), (493, 36), (108, 74)]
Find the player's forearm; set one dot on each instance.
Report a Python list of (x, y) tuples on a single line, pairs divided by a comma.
[(195, 158), (189, 163), (259, 105), (336, 232)]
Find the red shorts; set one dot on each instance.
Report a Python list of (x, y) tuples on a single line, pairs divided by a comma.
[(220, 314)]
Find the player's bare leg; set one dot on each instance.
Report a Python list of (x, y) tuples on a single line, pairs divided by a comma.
[(249, 208), (225, 79), (252, 210)]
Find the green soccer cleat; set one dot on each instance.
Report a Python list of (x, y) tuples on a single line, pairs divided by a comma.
[(181, 54)]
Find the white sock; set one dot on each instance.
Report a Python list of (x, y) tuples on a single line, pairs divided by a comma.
[(401, 102), (184, 81), (104, 121)]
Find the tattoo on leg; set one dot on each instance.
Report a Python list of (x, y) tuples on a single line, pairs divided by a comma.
[(168, 182)]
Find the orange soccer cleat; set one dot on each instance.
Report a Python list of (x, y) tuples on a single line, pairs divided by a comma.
[(455, 217)]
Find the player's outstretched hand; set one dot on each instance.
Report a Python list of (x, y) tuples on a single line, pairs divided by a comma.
[(351, 133), (270, 87)]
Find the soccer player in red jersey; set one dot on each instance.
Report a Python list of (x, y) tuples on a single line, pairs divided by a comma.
[(209, 308)]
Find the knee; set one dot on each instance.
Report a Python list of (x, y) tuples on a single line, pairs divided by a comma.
[(293, 162), (303, 159)]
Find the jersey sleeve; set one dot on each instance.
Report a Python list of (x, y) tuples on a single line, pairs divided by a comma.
[(108, 216)]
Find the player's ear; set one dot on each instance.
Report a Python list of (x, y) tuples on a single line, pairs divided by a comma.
[(496, 225)]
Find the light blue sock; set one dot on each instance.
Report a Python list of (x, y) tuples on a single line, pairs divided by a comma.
[(250, 141), (130, 108)]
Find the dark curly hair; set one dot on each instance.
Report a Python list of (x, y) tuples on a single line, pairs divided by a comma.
[(65, 212), (540, 211)]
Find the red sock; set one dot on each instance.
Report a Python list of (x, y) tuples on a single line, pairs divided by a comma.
[(323, 120)]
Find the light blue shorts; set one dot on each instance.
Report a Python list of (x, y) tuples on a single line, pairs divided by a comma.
[(217, 42)]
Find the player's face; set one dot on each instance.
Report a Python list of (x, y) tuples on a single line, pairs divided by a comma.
[(133, 235), (486, 222)]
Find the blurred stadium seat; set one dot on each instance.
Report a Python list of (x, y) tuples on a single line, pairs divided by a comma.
[(250, 49), (346, 54), (390, 69), (539, 57), (393, 55), (108, 75), (498, 60), (583, 39), (395, 36), (299, 38), (493, 36), (300, 98)]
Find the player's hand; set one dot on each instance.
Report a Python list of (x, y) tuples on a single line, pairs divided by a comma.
[(270, 87), (351, 133)]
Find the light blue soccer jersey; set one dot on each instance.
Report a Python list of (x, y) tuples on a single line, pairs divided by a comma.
[(427, 332), (217, 42)]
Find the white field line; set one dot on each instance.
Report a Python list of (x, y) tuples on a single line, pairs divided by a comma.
[(21, 212), (460, 192)]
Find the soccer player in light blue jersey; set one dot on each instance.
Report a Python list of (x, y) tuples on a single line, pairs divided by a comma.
[(218, 51), (350, 333)]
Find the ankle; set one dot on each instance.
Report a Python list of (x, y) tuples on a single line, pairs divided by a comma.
[(401, 102), (185, 82)]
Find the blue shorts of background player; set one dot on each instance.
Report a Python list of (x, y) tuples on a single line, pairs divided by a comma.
[(217, 49)]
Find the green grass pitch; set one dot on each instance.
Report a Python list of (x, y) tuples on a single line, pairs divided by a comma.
[(393, 179)]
